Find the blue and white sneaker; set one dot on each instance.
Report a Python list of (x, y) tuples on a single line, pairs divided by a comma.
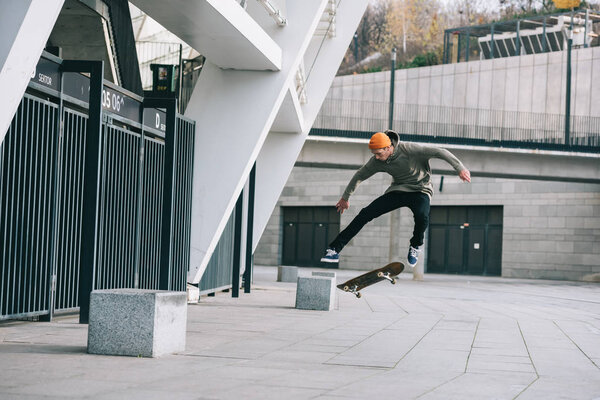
[(331, 256), (413, 256)]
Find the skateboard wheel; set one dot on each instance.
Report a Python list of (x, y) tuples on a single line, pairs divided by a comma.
[(346, 288), (379, 274), (358, 295), (393, 281)]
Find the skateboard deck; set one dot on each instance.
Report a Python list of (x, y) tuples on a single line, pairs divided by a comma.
[(388, 273)]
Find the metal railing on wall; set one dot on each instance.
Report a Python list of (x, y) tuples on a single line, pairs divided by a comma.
[(42, 177), (359, 119)]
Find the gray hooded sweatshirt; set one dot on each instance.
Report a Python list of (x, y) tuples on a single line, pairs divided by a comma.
[(408, 166)]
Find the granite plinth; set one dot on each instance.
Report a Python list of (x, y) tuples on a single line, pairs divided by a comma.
[(315, 293), (136, 322)]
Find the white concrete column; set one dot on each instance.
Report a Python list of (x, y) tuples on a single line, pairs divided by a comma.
[(25, 26), (234, 110), (280, 151)]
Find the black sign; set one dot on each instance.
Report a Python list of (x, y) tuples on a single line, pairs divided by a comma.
[(77, 86), (113, 101), (155, 119), (46, 74)]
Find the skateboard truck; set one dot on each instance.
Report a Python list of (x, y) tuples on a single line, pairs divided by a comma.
[(352, 290), (386, 276)]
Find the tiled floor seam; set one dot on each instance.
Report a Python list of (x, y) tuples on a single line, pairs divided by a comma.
[(440, 385), (576, 345), (472, 343), (537, 375), (366, 338), (419, 341)]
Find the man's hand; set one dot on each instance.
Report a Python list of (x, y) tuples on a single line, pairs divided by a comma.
[(342, 206), (465, 175)]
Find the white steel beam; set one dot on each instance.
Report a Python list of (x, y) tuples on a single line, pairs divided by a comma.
[(221, 30), (25, 26), (234, 111), (278, 154)]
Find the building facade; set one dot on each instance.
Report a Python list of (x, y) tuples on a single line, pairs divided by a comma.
[(547, 230)]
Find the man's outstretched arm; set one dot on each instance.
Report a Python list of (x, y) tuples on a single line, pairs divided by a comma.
[(443, 154), (365, 172)]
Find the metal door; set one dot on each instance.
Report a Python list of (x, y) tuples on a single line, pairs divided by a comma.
[(465, 240), (307, 231)]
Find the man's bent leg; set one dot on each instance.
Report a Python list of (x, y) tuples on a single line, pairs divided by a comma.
[(420, 206), (381, 205)]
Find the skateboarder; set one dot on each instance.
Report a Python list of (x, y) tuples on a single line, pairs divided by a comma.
[(408, 164)]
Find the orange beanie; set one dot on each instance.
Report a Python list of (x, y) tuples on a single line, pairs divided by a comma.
[(379, 141)]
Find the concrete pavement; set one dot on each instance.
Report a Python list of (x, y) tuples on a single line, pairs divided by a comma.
[(448, 337)]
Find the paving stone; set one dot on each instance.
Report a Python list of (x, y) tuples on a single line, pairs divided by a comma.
[(448, 337)]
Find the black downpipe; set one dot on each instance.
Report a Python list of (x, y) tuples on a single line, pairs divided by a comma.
[(249, 231), (237, 247)]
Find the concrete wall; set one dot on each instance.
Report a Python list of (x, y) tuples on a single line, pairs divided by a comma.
[(550, 229), (530, 83)]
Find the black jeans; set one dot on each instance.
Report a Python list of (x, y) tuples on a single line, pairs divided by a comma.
[(417, 202)]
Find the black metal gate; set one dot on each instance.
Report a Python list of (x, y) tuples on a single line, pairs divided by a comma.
[(465, 240), (42, 165)]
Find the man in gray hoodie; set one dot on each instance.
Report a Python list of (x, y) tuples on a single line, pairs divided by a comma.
[(408, 164)]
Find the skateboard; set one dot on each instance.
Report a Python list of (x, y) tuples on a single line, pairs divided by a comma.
[(377, 275)]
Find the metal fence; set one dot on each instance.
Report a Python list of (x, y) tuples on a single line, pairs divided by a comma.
[(41, 203), (27, 179), (218, 274), (352, 118)]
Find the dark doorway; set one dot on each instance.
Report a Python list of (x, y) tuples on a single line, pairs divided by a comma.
[(306, 233), (465, 240)]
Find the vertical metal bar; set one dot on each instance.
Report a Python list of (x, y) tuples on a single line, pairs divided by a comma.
[(585, 29), (518, 41), (180, 77), (21, 209), (445, 55), (568, 94), (2, 219), (392, 84), (138, 211), (492, 44), (468, 46), (192, 131), (459, 47), (10, 193), (91, 182), (30, 211), (52, 252), (134, 185), (237, 247), (545, 40), (249, 230), (120, 232)]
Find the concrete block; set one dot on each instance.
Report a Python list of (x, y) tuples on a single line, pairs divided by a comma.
[(287, 274), (135, 322), (193, 293), (315, 293)]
